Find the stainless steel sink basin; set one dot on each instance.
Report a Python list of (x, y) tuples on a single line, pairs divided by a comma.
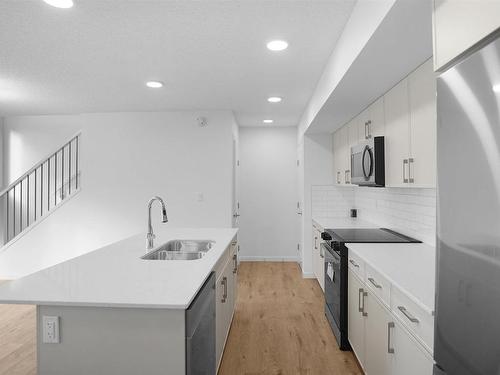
[(180, 250)]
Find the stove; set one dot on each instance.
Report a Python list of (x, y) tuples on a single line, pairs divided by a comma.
[(336, 257), (365, 235)]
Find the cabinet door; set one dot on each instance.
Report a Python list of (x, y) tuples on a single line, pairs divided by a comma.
[(409, 357), (363, 119), (315, 252), (422, 92), (397, 137), (345, 154), (337, 160), (376, 121), (321, 267), (377, 358), (353, 133), (222, 309), (233, 284), (355, 319)]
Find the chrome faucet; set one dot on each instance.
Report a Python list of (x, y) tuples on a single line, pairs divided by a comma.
[(150, 235)]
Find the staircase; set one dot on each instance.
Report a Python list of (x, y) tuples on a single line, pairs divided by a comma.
[(38, 192)]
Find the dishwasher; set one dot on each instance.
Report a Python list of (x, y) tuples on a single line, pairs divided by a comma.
[(200, 331)]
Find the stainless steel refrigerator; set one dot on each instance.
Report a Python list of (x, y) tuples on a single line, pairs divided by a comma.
[(467, 328)]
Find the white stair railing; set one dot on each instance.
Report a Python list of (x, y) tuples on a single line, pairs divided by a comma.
[(37, 192)]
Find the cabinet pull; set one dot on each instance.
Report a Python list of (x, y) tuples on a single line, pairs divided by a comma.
[(390, 349), (405, 163), (410, 177), (224, 284), (315, 243), (354, 263), (235, 263), (346, 175), (361, 299), (372, 280), (321, 252), (366, 132), (338, 177), (369, 131), (406, 313)]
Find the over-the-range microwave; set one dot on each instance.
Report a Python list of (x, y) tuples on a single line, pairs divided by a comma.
[(368, 163)]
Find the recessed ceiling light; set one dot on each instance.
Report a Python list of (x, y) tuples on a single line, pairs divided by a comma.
[(277, 45), (267, 121), (274, 99), (154, 84), (496, 88), (60, 3)]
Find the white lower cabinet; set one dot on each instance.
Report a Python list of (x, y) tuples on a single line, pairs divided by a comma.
[(409, 358), (377, 356), (226, 286), (381, 343), (318, 257), (355, 318)]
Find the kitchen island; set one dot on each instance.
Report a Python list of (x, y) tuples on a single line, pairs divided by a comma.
[(119, 314)]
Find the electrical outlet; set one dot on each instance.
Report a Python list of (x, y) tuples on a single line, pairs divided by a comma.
[(50, 327)]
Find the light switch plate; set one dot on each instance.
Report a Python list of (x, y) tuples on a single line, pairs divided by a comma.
[(50, 328)]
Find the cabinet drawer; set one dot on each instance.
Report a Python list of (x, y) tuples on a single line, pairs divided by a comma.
[(357, 265), (380, 286), (414, 317)]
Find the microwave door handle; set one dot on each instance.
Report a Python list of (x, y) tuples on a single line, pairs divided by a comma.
[(365, 152)]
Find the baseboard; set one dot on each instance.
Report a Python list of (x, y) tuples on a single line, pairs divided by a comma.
[(244, 258), (308, 275)]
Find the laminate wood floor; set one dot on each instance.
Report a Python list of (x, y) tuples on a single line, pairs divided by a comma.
[(17, 340), (279, 326)]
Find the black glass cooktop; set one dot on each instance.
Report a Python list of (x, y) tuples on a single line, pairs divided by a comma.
[(381, 235)]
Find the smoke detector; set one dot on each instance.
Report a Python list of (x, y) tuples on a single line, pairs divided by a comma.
[(202, 122)]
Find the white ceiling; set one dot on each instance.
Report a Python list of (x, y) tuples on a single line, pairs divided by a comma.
[(210, 54)]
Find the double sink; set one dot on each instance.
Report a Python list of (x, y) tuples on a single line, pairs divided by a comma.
[(180, 250)]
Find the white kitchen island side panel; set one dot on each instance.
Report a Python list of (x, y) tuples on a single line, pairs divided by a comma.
[(113, 341)]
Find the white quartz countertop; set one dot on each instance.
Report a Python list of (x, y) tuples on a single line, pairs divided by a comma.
[(409, 267), (115, 276), (342, 222)]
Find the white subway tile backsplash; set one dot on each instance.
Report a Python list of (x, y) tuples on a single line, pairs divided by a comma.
[(410, 211)]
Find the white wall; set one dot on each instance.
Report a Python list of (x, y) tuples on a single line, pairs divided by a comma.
[(268, 193), (409, 211), (318, 169), (126, 159)]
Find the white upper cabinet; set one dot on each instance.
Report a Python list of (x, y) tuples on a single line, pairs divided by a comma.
[(406, 117), (371, 121), (397, 135), (422, 160), (341, 156), (459, 24), (410, 130)]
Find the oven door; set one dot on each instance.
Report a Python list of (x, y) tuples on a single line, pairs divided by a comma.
[(332, 282)]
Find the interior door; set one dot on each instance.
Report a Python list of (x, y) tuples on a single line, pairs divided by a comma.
[(236, 203)]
